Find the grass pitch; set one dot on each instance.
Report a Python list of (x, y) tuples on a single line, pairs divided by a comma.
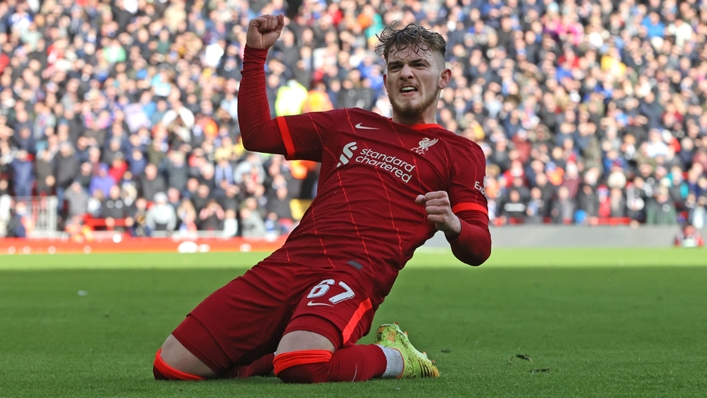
[(545, 323)]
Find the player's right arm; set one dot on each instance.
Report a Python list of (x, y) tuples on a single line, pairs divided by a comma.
[(297, 137), (259, 131)]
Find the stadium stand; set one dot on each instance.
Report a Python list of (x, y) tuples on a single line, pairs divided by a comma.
[(589, 112)]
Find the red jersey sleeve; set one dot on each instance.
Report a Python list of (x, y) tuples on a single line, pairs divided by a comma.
[(259, 132), (467, 188), (467, 195)]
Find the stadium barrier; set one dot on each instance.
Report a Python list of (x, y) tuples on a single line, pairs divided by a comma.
[(521, 236), (573, 236), (41, 218)]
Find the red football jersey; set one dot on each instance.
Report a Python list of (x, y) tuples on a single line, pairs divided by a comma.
[(372, 169)]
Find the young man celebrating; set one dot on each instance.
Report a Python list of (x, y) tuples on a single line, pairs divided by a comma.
[(386, 186)]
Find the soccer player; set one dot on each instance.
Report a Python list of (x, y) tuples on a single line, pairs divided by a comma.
[(386, 186)]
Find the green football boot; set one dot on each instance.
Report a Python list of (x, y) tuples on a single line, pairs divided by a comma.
[(415, 363)]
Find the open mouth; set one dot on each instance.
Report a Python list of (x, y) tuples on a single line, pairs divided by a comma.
[(408, 89)]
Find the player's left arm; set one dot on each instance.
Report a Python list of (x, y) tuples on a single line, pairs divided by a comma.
[(467, 233), (462, 213)]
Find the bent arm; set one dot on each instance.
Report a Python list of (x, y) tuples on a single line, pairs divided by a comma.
[(259, 132), (473, 244)]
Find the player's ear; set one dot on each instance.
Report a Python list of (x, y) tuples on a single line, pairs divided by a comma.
[(385, 81), (445, 77)]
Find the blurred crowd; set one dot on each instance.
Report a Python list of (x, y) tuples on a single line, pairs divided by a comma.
[(125, 110)]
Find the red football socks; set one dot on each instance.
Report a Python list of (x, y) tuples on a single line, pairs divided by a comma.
[(355, 363)]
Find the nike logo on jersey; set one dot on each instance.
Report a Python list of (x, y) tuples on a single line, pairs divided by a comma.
[(312, 304), (362, 127)]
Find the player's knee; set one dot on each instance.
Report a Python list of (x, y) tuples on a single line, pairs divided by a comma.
[(305, 374), (158, 373), (162, 371), (305, 366)]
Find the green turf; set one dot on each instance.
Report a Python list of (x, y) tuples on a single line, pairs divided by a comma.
[(423, 258), (595, 328)]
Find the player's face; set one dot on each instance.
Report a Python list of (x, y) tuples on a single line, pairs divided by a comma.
[(414, 81)]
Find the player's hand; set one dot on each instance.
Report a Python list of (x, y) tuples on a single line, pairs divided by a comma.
[(439, 211), (263, 31)]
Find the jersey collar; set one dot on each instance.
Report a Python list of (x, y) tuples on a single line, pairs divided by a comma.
[(425, 126), (421, 126)]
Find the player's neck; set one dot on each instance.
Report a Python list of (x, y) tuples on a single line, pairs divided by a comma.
[(422, 118)]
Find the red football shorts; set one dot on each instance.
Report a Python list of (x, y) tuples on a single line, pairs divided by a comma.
[(244, 320)]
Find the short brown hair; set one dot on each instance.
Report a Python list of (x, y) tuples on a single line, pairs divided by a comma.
[(416, 37)]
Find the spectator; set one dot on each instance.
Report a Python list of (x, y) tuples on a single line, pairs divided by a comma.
[(115, 148), (660, 210), (546, 189), (514, 208), (176, 170), (230, 224), (211, 217), (66, 168), (187, 218), (157, 151), (696, 211), (44, 170), (137, 222), (500, 155), (23, 174), (77, 200), (85, 176), (252, 225), (101, 181), (207, 174), (230, 200), (250, 168), (290, 98), (151, 183), (278, 203), (137, 161), (701, 188), (118, 168), (536, 210), (654, 27), (572, 179), (161, 216), (20, 224), (223, 173), (637, 195), (173, 198), (23, 138), (588, 205), (95, 203), (317, 99), (617, 203), (202, 197), (113, 207), (563, 208)]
